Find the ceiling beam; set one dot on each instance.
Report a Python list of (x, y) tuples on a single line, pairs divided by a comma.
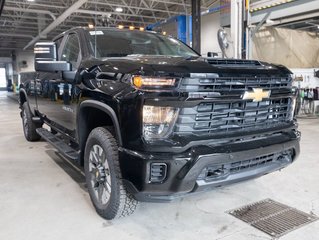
[(178, 3), (296, 9), (30, 11), (283, 22), (173, 2), (57, 22), (24, 16), (148, 8), (92, 12), (1, 6), (35, 4), (15, 35)]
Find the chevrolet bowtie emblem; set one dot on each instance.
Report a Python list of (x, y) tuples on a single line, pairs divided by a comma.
[(256, 95)]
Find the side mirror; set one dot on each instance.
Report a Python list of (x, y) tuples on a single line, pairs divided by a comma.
[(46, 58), (212, 54)]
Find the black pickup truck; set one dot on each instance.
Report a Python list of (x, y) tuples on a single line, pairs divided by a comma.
[(151, 120)]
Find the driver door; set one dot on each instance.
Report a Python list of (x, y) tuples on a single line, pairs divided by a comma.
[(59, 98)]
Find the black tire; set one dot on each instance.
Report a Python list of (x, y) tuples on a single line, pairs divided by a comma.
[(103, 176), (29, 127)]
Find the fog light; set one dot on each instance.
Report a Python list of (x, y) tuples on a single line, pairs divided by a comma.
[(158, 172)]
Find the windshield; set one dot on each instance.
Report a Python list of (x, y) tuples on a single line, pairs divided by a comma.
[(121, 43)]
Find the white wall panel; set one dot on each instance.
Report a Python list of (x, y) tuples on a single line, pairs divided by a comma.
[(210, 24)]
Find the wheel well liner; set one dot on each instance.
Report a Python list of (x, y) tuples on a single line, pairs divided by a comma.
[(93, 114), (22, 96)]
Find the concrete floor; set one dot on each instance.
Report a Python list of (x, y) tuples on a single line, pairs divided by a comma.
[(42, 198)]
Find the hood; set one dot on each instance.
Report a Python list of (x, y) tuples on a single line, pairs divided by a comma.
[(179, 66)]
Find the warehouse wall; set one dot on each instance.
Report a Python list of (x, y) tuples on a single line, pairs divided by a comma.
[(209, 26), (3, 77), (24, 57), (308, 80), (4, 60), (308, 77), (6, 63), (170, 28), (292, 48)]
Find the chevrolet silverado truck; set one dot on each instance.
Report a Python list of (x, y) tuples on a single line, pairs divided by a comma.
[(149, 119)]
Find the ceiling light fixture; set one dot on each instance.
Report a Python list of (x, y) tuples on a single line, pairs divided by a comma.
[(131, 27), (142, 29), (118, 9), (91, 25), (120, 26)]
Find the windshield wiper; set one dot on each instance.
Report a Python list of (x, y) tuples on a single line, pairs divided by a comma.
[(191, 57), (117, 55)]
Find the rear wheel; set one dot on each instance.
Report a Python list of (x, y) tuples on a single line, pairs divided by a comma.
[(29, 127), (103, 176)]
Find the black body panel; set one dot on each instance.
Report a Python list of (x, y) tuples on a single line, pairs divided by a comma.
[(215, 125)]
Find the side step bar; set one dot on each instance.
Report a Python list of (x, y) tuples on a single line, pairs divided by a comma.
[(36, 120), (60, 145)]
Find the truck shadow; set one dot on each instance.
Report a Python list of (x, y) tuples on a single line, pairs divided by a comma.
[(74, 171)]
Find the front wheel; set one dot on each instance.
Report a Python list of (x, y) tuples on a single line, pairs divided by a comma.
[(103, 176)]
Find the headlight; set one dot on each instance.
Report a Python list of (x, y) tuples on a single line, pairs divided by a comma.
[(153, 82), (293, 103), (292, 108), (158, 122)]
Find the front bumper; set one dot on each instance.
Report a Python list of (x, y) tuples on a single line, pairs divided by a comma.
[(204, 167)]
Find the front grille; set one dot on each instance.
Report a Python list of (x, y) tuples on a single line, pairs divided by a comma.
[(227, 112), (226, 117), (211, 83)]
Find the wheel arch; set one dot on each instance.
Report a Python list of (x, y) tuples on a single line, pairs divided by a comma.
[(23, 97), (92, 114)]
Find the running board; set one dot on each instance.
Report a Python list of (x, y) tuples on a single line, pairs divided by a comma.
[(36, 120), (59, 144)]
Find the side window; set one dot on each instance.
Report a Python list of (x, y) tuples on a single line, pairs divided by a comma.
[(71, 50)]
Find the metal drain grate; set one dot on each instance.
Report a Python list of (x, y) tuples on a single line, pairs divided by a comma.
[(273, 218)]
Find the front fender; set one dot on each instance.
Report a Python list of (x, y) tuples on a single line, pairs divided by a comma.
[(106, 109)]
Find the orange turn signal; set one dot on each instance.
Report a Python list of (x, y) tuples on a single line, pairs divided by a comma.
[(138, 81), (142, 81)]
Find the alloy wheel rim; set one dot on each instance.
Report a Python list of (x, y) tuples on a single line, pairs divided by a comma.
[(100, 177)]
